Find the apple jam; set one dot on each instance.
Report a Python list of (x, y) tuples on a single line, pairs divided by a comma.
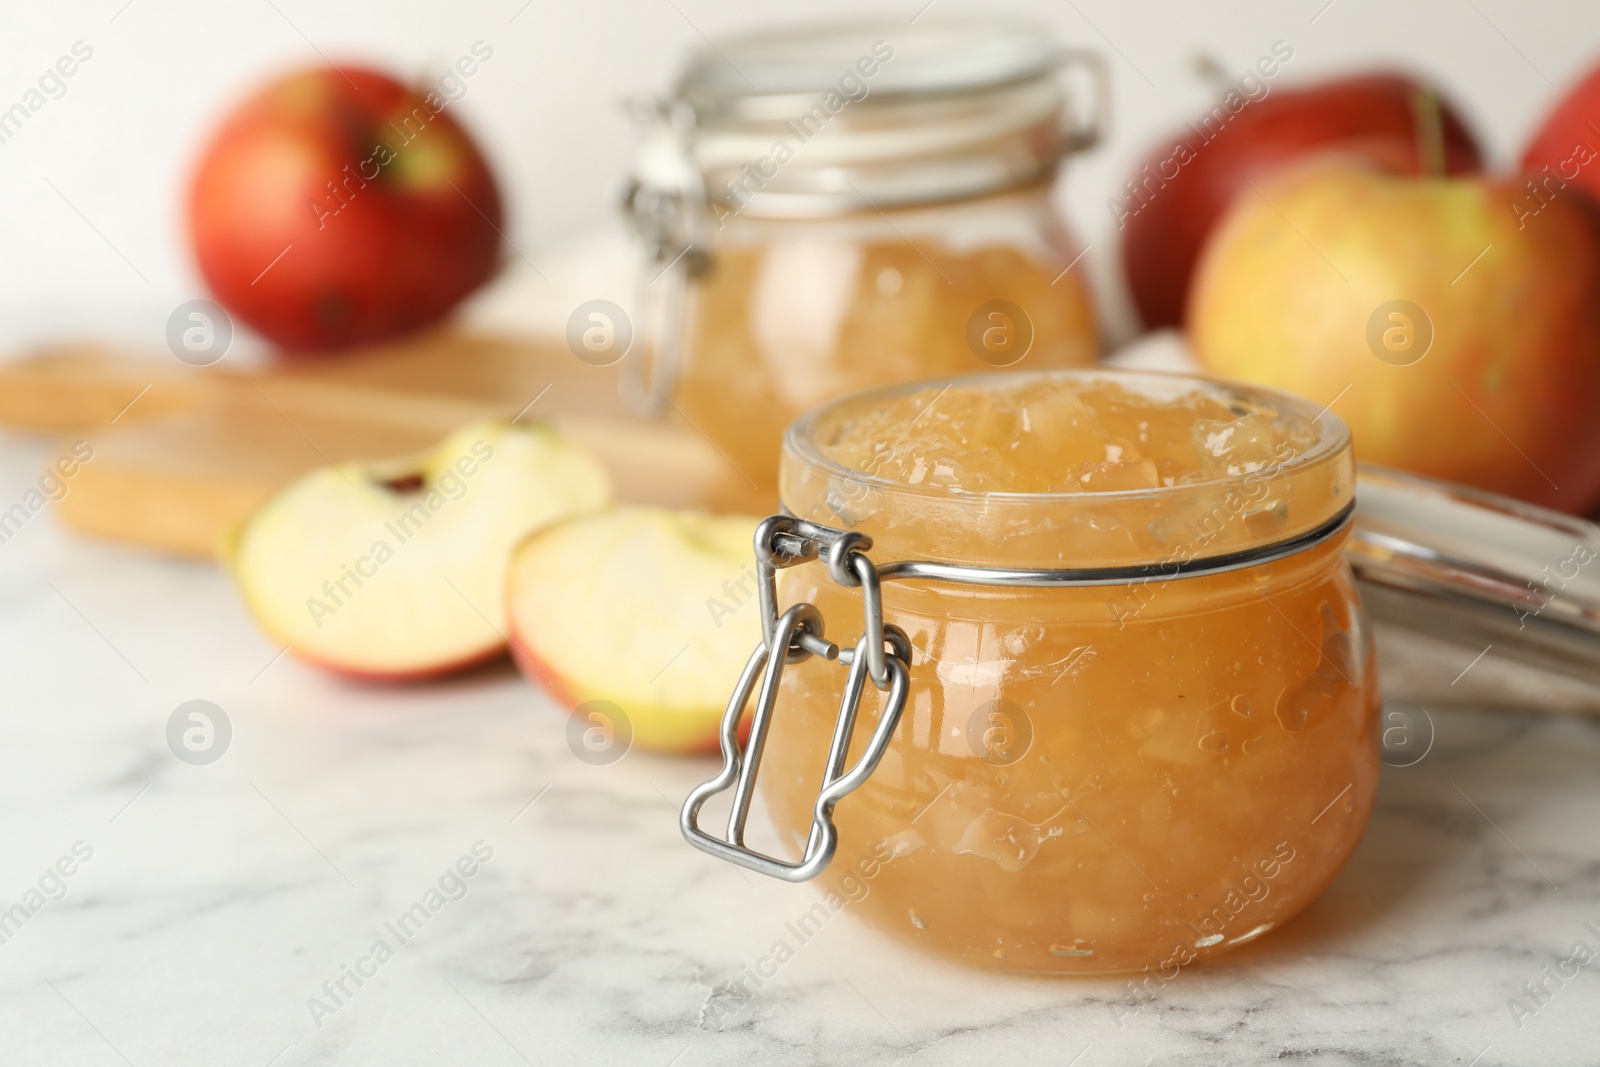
[(791, 315), (1087, 777)]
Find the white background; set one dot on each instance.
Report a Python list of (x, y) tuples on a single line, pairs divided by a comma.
[(547, 108)]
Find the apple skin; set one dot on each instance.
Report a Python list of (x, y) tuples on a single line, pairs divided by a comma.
[(448, 520), (413, 227), (698, 740), (429, 674), (1373, 115), (1515, 353), (624, 590), (1568, 143)]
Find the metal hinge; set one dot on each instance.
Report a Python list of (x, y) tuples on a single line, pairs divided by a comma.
[(881, 655)]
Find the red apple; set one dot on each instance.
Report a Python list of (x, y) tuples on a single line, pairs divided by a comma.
[(338, 206), (652, 610), (1172, 202), (1455, 341), (393, 571), (1566, 148)]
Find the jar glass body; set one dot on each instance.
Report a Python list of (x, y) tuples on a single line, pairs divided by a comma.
[(1100, 778), (794, 312)]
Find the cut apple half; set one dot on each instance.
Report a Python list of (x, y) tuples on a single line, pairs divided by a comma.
[(395, 570), (651, 609)]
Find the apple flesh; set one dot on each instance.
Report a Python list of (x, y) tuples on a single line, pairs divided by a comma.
[(651, 609), (1295, 292), (1186, 185), (338, 206), (393, 571)]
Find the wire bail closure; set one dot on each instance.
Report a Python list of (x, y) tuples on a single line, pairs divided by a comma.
[(881, 655)]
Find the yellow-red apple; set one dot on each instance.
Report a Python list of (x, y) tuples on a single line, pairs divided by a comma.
[(1457, 338)]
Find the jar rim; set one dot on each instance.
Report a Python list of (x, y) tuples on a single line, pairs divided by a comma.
[(799, 439), (943, 55)]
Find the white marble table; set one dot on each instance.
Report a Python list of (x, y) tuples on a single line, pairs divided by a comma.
[(218, 899)]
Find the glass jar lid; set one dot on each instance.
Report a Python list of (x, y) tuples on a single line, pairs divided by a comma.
[(829, 119), (935, 56)]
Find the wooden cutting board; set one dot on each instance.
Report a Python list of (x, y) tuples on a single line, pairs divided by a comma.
[(182, 454)]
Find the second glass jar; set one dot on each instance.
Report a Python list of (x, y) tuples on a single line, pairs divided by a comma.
[(881, 210)]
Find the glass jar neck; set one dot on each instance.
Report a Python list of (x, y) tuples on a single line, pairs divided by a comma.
[(1158, 526), (1024, 218), (909, 150)]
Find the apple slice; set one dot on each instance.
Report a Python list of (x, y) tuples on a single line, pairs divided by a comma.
[(395, 570), (650, 609)]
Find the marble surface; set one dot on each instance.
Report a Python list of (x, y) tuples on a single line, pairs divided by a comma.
[(216, 900)]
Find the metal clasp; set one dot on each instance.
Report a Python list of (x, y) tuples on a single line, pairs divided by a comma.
[(1083, 132), (665, 205), (882, 655)]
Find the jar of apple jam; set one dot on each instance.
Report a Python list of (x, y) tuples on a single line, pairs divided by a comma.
[(832, 208), (1110, 700)]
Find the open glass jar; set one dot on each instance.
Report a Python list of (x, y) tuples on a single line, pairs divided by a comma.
[(831, 208), (1120, 688)]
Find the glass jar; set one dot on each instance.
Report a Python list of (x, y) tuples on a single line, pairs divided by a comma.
[(1113, 730), (1449, 574), (878, 210)]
